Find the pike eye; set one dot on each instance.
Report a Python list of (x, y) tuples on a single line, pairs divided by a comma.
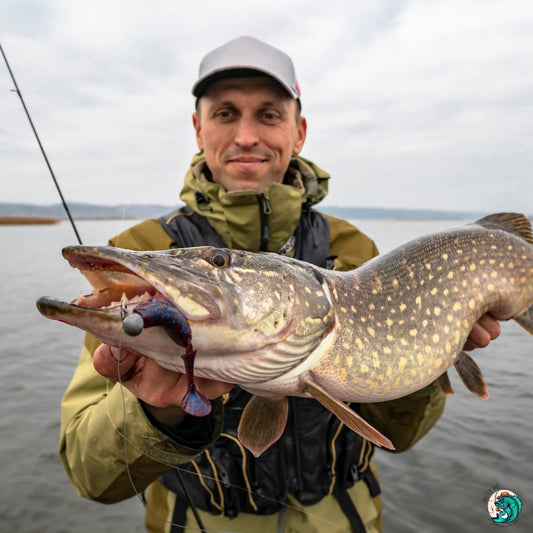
[(219, 259)]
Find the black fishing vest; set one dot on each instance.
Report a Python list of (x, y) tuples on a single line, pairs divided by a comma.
[(316, 456)]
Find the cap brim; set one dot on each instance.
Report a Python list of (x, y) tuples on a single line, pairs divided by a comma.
[(240, 71)]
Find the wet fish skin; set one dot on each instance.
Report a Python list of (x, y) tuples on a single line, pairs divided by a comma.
[(414, 309), (279, 327)]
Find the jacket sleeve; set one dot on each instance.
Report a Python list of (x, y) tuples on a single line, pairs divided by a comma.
[(405, 420), (97, 413)]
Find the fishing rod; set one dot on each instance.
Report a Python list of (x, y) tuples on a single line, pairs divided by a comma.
[(17, 90)]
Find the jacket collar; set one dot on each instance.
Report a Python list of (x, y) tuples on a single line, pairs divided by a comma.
[(239, 216)]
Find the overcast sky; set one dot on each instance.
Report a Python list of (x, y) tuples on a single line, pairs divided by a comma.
[(419, 104)]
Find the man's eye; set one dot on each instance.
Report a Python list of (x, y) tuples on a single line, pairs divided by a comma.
[(224, 114), (270, 116)]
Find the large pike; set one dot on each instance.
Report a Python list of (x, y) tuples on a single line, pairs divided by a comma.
[(277, 326)]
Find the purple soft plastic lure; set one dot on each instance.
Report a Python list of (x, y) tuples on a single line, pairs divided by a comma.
[(160, 312)]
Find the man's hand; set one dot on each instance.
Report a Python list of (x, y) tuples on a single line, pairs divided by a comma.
[(160, 389), (485, 330)]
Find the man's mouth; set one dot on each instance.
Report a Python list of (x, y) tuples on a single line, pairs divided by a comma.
[(246, 157), (247, 165), (247, 160)]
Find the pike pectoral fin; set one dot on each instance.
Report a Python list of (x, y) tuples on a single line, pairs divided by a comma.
[(471, 375), (262, 423), (344, 413), (443, 381)]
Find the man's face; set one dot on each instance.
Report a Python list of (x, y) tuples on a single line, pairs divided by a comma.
[(248, 129)]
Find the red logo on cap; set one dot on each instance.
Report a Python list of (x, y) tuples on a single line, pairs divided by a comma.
[(298, 88)]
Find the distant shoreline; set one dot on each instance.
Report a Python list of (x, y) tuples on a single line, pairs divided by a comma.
[(81, 211), (16, 220)]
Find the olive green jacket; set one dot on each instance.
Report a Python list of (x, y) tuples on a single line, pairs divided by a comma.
[(96, 412)]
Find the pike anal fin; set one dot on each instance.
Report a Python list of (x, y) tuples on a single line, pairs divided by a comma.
[(471, 375), (443, 381), (262, 423), (344, 413)]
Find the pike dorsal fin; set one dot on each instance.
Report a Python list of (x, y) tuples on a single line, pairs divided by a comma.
[(471, 375), (344, 413), (511, 222), (443, 381), (262, 423)]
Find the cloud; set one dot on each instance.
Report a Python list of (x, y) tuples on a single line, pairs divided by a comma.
[(409, 103)]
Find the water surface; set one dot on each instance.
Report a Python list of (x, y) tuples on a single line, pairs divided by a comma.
[(438, 486)]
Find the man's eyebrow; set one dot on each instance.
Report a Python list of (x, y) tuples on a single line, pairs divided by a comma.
[(272, 103), (214, 102), (231, 103), (224, 103)]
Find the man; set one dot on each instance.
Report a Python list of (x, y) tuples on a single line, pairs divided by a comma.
[(248, 188)]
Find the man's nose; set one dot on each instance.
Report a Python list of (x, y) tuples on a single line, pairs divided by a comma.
[(246, 134)]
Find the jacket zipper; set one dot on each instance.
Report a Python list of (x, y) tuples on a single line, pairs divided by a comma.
[(264, 212)]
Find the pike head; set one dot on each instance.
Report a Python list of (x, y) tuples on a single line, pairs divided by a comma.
[(252, 316)]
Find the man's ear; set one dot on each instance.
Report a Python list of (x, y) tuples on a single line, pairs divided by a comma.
[(197, 129), (301, 135)]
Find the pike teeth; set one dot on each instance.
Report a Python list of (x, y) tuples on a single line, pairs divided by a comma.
[(107, 298), (137, 299)]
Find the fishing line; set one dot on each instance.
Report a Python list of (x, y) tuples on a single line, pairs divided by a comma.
[(17, 90)]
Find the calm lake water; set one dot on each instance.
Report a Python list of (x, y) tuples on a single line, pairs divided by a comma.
[(439, 486)]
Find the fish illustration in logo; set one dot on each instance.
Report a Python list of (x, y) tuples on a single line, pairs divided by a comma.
[(504, 507)]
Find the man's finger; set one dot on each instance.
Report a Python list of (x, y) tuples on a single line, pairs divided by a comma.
[(113, 363), (491, 325), (486, 329), (479, 337), (212, 389)]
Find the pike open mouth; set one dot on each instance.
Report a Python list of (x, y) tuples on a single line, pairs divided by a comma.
[(113, 285), (124, 288), (118, 292), (125, 278)]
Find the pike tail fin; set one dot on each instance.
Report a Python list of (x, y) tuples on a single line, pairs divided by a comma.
[(511, 222), (344, 413), (471, 375), (526, 320)]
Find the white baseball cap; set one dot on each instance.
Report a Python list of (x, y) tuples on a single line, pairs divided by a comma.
[(242, 55)]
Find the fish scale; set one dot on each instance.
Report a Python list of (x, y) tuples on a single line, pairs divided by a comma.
[(279, 327)]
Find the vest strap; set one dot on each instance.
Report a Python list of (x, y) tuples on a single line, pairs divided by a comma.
[(348, 508)]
